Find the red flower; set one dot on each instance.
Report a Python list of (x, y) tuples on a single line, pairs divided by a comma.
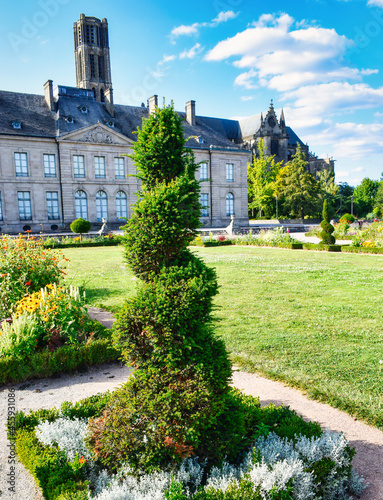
[(28, 283)]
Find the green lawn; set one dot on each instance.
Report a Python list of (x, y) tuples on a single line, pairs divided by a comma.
[(312, 319)]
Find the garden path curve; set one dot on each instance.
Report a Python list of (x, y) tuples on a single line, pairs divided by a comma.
[(46, 393)]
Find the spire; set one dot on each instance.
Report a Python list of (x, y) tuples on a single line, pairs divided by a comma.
[(261, 118), (282, 122), (271, 105)]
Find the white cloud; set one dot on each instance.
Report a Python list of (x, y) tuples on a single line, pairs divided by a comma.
[(378, 3), (190, 54), (247, 98), (185, 30), (335, 97), (286, 56), (245, 80), (166, 59), (224, 16), (193, 29)]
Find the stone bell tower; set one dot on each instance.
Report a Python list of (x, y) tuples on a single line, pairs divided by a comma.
[(92, 57)]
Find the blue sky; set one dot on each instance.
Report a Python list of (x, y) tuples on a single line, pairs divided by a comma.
[(321, 60)]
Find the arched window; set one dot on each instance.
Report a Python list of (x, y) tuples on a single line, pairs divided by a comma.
[(229, 204), (101, 205), (81, 204), (121, 205), (102, 95)]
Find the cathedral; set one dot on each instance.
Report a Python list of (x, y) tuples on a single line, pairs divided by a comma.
[(65, 154)]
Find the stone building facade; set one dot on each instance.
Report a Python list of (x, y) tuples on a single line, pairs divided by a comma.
[(65, 154)]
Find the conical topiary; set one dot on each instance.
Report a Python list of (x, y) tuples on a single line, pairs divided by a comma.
[(178, 401), (326, 235)]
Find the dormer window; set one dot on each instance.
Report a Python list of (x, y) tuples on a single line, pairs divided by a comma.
[(83, 108), (69, 119), (16, 125), (110, 123)]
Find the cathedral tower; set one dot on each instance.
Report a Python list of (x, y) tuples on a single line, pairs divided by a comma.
[(92, 57)]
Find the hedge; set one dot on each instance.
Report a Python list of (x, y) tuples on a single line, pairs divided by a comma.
[(323, 248), (350, 249), (66, 359)]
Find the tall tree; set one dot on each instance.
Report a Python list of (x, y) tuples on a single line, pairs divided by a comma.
[(328, 190), (364, 196), (345, 193), (261, 177), (296, 187), (378, 200)]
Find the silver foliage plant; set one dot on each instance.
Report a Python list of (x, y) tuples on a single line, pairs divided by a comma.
[(279, 462)]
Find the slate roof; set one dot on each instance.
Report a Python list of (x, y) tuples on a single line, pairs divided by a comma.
[(38, 121), (293, 138), (29, 109)]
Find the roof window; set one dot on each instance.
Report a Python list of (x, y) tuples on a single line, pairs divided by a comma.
[(83, 108), (16, 125), (69, 119), (110, 123)]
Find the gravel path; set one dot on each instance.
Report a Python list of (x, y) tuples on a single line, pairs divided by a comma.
[(46, 393)]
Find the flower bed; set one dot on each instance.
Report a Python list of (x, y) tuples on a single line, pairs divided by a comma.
[(286, 458), (98, 241), (46, 328)]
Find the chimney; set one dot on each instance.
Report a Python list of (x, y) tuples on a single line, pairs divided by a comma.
[(48, 89), (153, 104), (190, 113), (108, 95)]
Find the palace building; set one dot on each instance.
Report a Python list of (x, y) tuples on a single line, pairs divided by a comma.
[(65, 154)]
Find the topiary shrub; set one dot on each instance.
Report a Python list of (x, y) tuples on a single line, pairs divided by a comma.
[(347, 218), (80, 226), (178, 402), (327, 229)]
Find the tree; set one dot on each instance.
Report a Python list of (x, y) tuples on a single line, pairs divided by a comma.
[(178, 401), (80, 226), (296, 187), (326, 235), (345, 193), (378, 200), (328, 190), (261, 176), (364, 196)]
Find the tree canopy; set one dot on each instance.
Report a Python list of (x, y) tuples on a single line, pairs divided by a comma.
[(296, 187)]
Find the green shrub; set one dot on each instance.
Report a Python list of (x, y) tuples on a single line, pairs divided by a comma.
[(356, 249), (327, 229), (80, 226), (347, 218), (66, 359), (177, 398), (320, 247)]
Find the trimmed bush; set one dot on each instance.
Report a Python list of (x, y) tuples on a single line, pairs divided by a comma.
[(352, 249), (347, 218), (178, 401), (327, 229), (66, 359), (80, 226), (323, 248)]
